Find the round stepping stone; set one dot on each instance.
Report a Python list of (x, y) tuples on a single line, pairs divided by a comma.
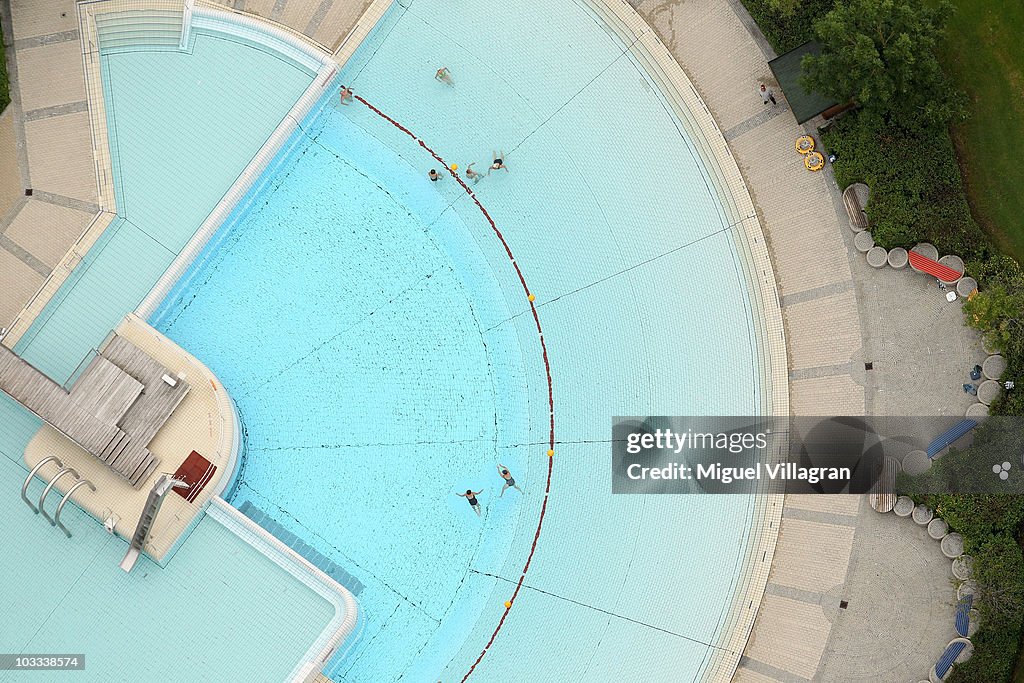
[(989, 391), (966, 588), (922, 515), (954, 262), (952, 545), (937, 529), (966, 286), (994, 366), (877, 257), (927, 250), (976, 410), (904, 506), (863, 241), (962, 567), (898, 257), (915, 463)]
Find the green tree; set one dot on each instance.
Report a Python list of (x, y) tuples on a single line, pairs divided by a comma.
[(783, 7), (881, 53), (998, 308)]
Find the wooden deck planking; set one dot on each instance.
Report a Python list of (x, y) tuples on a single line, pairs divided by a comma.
[(48, 401), (145, 417), (114, 409), (106, 390)]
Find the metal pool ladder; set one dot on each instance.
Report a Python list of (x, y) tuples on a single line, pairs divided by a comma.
[(156, 497), (55, 520)]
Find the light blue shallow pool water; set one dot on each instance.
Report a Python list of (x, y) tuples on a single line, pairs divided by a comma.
[(381, 352), (377, 342), (179, 144)]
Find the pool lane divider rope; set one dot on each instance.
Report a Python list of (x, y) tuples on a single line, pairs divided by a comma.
[(547, 368)]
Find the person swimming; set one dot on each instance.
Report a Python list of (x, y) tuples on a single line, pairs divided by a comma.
[(444, 75), (509, 481), (470, 495), (473, 175), (346, 94), (433, 175), (498, 164)]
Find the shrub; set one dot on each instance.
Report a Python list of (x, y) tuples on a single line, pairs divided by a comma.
[(789, 25), (917, 193)]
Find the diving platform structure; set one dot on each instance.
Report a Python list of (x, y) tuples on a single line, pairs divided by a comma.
[(113, 410)]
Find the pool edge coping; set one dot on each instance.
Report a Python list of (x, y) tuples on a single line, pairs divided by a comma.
[(346, 607), (642, 42)]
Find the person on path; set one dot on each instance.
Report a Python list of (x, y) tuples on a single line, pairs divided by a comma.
[(767, 94)]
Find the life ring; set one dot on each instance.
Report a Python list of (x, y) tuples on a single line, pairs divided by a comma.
[(805, 144), (814, 161)]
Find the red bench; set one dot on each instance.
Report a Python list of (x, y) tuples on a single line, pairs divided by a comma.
[(933, 268)]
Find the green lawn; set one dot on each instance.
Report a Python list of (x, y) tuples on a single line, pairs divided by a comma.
[(984, 54)]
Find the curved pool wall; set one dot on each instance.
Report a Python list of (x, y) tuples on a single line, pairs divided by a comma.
[(768, 329), (195, 315), (760, 514)]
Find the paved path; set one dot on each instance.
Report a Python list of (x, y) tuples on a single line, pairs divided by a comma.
[(327, 22), (896, 565), (840, 314)]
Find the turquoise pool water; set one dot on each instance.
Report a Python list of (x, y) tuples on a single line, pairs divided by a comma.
[(182, 126), (374, 335), (179, 144), (371, 330), (176, 623)]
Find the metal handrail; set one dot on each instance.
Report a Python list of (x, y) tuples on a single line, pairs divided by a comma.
[(67, 496), (46, 491), (24, 487)]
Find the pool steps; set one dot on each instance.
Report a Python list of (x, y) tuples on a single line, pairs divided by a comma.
[(134, 30), (314, 556)]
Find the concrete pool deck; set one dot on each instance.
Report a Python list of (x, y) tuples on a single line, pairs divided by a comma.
[(204, 421)]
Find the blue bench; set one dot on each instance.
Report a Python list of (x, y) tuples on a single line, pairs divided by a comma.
[(945, 662), (963, 614), (950, 436)]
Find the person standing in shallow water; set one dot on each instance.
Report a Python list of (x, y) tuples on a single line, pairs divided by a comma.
[(509, 481), (444, 75), (470, 495)]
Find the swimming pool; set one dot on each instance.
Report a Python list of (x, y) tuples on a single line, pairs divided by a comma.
[(172, 623), (372, 330)]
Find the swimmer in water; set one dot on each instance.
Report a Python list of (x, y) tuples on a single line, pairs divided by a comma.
[(444, 75), (470, 495), (346, 94), (510, 483), (433, 175), (473, 175), (498, 164)]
